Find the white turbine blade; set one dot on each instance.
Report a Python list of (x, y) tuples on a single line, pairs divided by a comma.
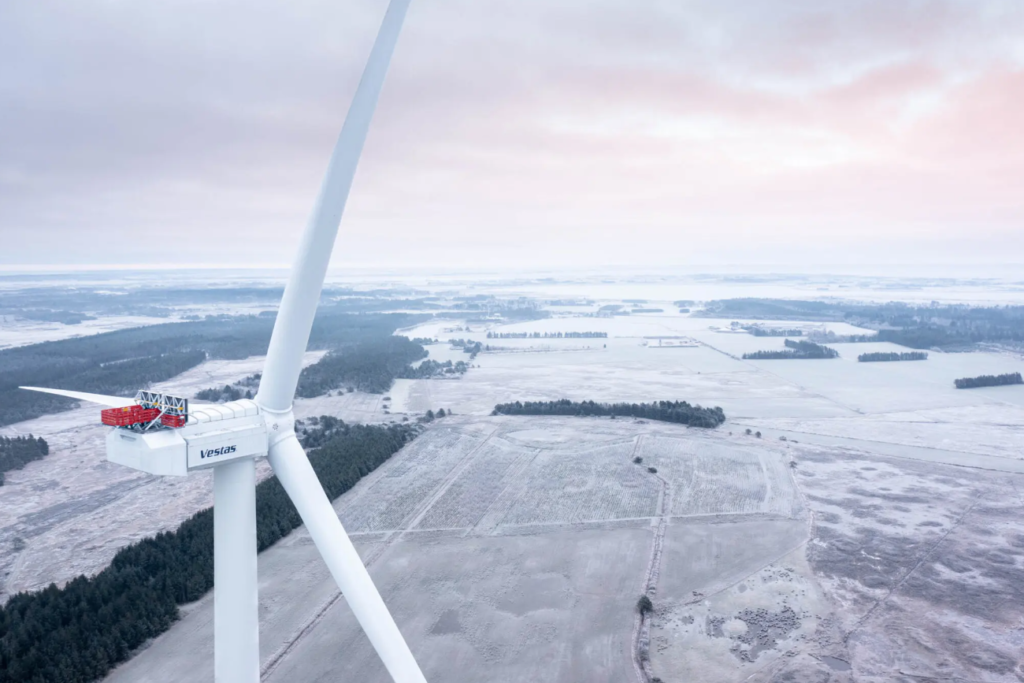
[(300, 482), (301, 295), (112, 401)]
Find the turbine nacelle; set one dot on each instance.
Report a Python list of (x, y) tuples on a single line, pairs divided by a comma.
[(213, 435)]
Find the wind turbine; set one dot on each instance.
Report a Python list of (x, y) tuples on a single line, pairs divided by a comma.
[(229, 437)]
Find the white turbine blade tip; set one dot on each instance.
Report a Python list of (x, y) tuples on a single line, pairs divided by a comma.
[(290, 337), (111, 401)]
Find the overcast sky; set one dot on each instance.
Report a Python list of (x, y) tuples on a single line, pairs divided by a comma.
[(516, 132)]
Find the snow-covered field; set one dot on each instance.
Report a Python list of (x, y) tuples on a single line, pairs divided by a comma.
[(20, 332), (500, 542), (514, 548), (779, 393), (508, 549)]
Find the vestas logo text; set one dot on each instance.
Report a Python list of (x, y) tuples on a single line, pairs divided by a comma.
[(214, 452)]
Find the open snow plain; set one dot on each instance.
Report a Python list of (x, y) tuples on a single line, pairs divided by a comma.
[(880, 542), (515, 548), (628, 366)]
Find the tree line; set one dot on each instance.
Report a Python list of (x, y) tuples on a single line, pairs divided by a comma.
[(679, 412), (759, 331), (468, 346), (795, 349), (243, 388), (988, 381), (18, 451), (891, 356), (431, 368), (547, 335), (223, 394), (77, 633)]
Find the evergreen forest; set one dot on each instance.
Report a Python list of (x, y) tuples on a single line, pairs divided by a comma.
[(988, 381), (18, 451), (122, 362), (223, 394), (371, 366), (679, 412), (547, 335), (882, 357), (760, 331), (795, 350)]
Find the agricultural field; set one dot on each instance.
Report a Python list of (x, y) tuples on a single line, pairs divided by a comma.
[(865, 529), (623, 368), (515, 548), (508, 549)]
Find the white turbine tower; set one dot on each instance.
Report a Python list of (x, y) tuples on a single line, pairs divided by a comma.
[(229, 437)]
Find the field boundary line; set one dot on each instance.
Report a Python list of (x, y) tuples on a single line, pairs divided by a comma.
[(446, 483), (515, 485), (389, 540), (642, 622), (899, 584)]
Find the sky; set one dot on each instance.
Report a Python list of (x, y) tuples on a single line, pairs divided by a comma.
[(516, 133)]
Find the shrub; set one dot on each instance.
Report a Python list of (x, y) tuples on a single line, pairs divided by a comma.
[(644, 605)]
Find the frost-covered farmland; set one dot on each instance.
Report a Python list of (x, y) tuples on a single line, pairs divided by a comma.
[(495, 537), (565, 471), (394, 494), (583, 483), (711, 477), (492, 537), (626, 367), (514, 548)]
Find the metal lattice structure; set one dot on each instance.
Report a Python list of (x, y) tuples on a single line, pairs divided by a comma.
[(165, 403)]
